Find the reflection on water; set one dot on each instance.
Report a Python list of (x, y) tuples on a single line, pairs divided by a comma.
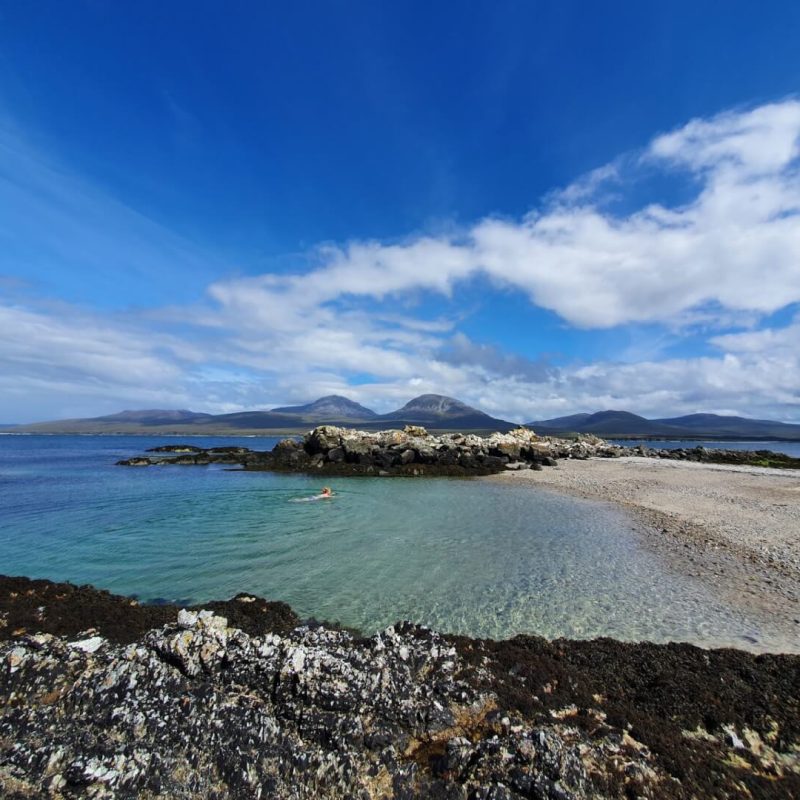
[(463, 556)]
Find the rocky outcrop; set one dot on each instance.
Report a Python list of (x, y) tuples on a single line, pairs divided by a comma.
[(411, 451), (716, 455), (197, 708)]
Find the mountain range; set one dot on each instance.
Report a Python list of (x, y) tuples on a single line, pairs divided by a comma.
[(434, 411), (611, 424)]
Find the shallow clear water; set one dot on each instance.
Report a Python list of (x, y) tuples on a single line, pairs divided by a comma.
[(790, 448), (464, 556)]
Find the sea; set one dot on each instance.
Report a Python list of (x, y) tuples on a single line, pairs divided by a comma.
[(464, 556)]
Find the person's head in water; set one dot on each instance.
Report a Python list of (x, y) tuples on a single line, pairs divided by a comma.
[(326, 491)]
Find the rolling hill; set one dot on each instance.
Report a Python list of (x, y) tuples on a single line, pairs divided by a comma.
[(611, 424), (434, 411), (445, 413), (331, 407)]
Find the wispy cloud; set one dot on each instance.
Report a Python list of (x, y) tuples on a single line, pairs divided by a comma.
[(76, 240)]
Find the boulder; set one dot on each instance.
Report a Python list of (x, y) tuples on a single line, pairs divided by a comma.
[(336, 455), (415, 430), (407, 456), (354, 449), (322, 439), (289, 454), (426, 455), (386, 458)]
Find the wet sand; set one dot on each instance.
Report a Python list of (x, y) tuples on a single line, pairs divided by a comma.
[(736, 528)]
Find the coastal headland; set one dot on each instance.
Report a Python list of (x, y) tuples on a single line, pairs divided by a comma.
[(244, 700)]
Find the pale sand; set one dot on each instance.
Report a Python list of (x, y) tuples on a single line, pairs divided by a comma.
[(736, 528)]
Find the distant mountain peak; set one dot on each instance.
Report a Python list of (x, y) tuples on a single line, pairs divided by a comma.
[(330, 407), (440, 411), (438, 404), (611, 414)]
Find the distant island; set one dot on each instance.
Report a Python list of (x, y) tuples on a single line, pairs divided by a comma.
[(434, 411), (624, 425)]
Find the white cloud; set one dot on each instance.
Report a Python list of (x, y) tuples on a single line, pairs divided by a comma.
[(723, 259), (736, 245), (758, 142)]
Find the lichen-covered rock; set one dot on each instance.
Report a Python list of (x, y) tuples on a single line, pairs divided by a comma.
[(198, 709)]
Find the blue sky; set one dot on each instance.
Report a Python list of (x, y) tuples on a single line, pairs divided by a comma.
[(540, 208)]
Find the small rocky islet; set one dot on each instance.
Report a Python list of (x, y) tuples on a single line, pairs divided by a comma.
[(414, 451), (104, 697)]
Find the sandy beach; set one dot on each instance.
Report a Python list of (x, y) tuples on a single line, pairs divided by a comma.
[(735, 528)]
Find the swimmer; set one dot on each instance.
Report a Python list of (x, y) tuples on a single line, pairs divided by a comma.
[(325, 494)]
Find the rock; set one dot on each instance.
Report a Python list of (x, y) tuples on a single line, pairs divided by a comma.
[(229, 450), (198, 708), (175, 448), (407, 456), (91, 645), (386, 459), (343, 451), (336, 455), (415, 430), (426, 454), (322, 439), (355, 450), (733, 739)]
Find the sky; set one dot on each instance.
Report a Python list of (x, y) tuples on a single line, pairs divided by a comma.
[(540, 208)]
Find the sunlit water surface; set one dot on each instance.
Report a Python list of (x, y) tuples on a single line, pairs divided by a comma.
[(465, 556)]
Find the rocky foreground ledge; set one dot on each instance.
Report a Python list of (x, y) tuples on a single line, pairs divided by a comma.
[(198, 707), (414, 451)]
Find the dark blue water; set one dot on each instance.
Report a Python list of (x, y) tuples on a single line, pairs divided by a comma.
[(790, 448), (469, 556)]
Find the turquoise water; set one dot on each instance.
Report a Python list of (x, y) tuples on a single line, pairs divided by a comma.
[(790, 448), (465, 556)]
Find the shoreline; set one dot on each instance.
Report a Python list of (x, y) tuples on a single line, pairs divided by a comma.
[(731, 527), (243, 700)]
